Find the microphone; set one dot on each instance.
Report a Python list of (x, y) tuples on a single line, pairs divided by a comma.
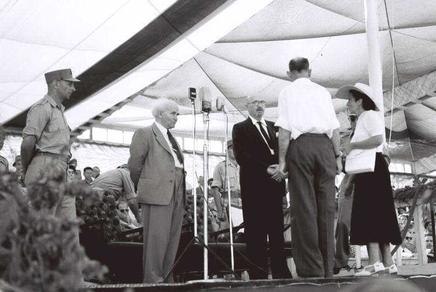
[(206, 104), (192, 93), (220, 104)]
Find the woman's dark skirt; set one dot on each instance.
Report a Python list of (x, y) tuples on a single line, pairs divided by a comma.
[(373, 217)]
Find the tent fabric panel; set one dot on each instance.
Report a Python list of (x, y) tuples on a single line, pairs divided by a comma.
[(410, 91), (21, 63), (147, 42), (402, 13), (430, 103), (420, 122), (281, 20)]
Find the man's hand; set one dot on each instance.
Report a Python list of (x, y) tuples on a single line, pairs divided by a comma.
[(134, 207), (280, 173), (272, 169)]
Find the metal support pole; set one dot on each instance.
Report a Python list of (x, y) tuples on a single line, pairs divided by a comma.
[(205, 194), (194, 171), (374, 62), (229, 197)]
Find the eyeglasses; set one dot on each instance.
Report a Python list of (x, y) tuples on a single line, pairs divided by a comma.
[(124, 210), (408, 238)]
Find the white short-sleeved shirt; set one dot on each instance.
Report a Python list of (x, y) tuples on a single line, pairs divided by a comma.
[(369, 124), (306, 107)]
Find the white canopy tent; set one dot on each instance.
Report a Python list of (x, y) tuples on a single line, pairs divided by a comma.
[(240, 49)]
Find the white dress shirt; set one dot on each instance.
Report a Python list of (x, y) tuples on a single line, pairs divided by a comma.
[(264, 126), (369, 124), (306, 107), (163, 130)]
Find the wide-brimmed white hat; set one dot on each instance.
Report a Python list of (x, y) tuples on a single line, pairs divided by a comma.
[(344, 92)]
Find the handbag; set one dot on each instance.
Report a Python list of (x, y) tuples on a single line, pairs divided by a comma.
[(360, 161)]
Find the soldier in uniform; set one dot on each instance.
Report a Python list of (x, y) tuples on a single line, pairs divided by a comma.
[(46, 137), (219, 184)]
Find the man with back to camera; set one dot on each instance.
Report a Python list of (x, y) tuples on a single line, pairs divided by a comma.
[(46, 136), (119, 183), (256, 149), (156, 169), (309, 151)]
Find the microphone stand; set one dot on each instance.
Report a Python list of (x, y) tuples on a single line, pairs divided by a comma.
[(229, 197), (196, 239), (205, 195), (194, 170)]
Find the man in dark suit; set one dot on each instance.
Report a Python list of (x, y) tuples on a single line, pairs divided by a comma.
[(156, 169), (255, 147)]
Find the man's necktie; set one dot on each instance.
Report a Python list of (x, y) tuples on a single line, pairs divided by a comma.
[(175, 147), (265, 135)]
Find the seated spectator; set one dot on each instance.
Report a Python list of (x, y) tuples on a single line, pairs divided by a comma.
[(78, 175), (87, 173), (126, 220), (18, 169), (410, 241), (95, 172), (72, 164), (71, 174), (4, 165), (119, 182)]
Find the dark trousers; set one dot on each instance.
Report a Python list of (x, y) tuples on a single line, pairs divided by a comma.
[(312, 169), (263, 219), (342, 234)]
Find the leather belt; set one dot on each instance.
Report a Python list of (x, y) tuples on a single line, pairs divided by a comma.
[(53, 155)]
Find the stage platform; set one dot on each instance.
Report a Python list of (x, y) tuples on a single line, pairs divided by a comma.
[(425, 283)]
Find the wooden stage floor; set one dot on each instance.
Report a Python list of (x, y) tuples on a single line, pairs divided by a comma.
[(422, 277)]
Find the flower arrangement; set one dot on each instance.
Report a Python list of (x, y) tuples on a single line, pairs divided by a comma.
[(39, 251)]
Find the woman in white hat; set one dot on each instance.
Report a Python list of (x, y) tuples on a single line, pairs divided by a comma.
[(373, 218)]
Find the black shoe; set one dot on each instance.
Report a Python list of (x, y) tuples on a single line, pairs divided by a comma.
[(285, 275)]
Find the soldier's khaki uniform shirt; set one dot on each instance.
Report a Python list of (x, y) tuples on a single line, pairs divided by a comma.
[(46, 121), (220, 180)]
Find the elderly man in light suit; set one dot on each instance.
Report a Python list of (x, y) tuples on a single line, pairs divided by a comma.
[(156, 169)]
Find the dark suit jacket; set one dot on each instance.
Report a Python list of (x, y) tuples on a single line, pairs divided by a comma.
[(152, 166), (254, 157)]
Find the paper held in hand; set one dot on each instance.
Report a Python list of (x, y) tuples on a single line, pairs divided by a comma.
[(360, 161)]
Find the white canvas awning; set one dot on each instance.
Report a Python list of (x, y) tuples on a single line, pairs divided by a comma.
[(238, 49)]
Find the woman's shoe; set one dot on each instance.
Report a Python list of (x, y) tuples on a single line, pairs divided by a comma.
[(370, 270), (392, 269)]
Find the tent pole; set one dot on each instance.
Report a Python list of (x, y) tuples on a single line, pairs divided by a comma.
[(374, 60), (194, 171), (229, 198), (205, 194)]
